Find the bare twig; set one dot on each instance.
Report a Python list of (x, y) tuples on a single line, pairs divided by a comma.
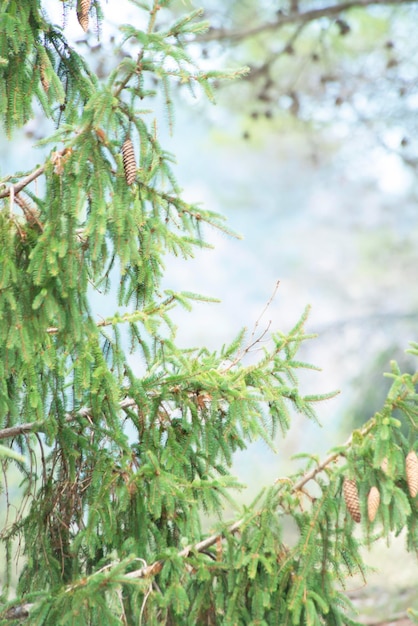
[(254, 340)]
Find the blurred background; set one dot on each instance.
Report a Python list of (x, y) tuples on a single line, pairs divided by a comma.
[(313, 159)]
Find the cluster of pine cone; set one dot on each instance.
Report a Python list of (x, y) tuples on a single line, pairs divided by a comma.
[(351, 495)]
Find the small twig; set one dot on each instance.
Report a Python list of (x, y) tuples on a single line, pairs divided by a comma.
[(146, 596), (263, 69), (390, 621), (31, 214), (273, 295), (11, 201), (253, 340)]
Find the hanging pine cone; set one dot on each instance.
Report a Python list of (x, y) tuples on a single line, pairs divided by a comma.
[(83, 9), (129, 163), (411, 470), (351, 499), (373, 501)]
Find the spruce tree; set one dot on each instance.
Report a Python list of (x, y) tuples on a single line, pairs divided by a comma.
[(120, 465)]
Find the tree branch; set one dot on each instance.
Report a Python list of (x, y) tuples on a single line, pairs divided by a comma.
[(156, 567), (221, 34), (22, 610), (25, 181), (21, 429)]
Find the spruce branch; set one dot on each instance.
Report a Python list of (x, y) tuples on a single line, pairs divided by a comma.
[(333, 457), (131, 472), (201, 546), (138, 66), (154, 568)]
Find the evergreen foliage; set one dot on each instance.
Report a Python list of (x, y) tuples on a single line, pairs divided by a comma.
[(121, 467)]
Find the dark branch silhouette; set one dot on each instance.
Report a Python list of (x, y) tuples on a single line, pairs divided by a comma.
[(302, 17)]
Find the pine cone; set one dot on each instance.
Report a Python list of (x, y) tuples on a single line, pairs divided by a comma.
[(373, 501), (411, 470), (384, 465), (129, 163), (83, 9), (352, 499)]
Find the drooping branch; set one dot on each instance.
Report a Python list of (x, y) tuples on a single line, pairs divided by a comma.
[(303, 17)]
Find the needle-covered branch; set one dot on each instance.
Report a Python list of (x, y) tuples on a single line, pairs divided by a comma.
[(129, 439)]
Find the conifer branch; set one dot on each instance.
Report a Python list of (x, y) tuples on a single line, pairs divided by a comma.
[(135, 457), (20, 429), (154, 568), (332, 457), (153, 16), (303, 17), (23, 610)]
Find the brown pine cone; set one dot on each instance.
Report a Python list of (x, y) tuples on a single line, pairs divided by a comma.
[(373, 501), (352, 499), (83, 9), (129, 163), (411, 470)]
